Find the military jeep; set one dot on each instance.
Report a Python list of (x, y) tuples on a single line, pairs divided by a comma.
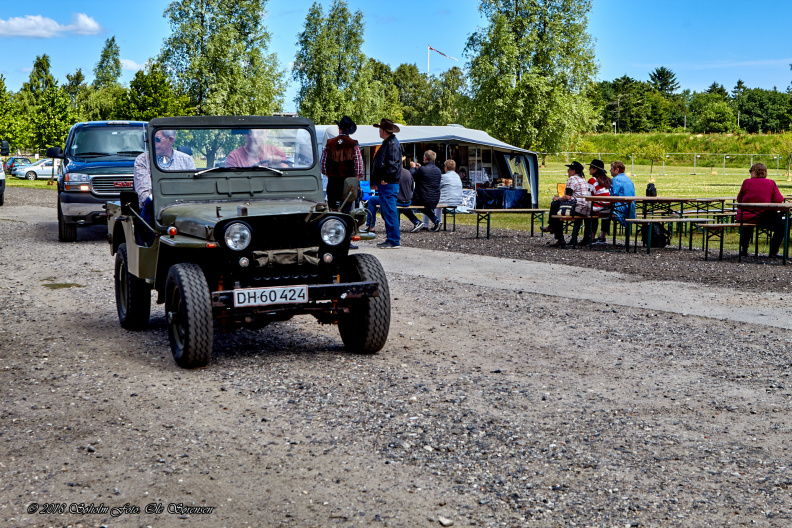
[(238, 234)]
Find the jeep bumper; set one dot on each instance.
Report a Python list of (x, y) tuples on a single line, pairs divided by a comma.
[(224, 300)]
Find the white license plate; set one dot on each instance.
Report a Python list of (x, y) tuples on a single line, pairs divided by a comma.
[(268, 296)]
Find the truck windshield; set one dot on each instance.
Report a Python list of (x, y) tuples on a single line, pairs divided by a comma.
[(231, 148), (109, 140)]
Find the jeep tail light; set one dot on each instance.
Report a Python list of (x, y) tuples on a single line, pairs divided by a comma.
[(211, 245), (172, 232)]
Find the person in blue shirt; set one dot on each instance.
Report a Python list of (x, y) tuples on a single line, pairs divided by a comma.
[(622, 186)]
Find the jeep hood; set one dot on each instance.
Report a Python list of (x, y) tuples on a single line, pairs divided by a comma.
[(199, 219)]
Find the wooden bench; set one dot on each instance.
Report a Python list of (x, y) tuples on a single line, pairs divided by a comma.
[(482, 214), (447, 210), (662, 220), (718, 230)]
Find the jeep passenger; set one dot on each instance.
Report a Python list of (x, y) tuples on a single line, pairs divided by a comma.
[(98, 162), (244, 244)]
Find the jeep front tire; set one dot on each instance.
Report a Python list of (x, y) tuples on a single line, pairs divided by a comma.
[(189, 313), (365, 329), (133, 295)]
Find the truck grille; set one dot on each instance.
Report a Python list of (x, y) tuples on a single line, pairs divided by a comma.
[(112, 185)]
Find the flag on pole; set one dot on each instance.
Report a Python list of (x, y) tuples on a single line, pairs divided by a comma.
[(443, 54)]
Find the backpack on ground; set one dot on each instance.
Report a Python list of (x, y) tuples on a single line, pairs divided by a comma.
[(651, 190), (661, 236)]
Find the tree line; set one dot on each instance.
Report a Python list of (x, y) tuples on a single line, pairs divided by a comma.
[(529, 79), (657, 105)]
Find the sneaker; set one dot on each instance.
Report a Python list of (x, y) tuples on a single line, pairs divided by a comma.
[(744, 253), (437, 226), (776, 256), (417, 227), (353, 246), (388, 245), (365, 229)]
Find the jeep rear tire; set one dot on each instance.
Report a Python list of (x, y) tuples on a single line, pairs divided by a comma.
[(66, 232), (133, 295), (188, 310), (365, 329)]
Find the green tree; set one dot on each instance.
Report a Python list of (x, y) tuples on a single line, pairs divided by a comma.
[(53, 118), (664, 81), (530, 69), (8, 114), (108, 70), (718, 89), (217, 56), (784, 146), (762, 110), (29, 99), (101, 104), (151, 95), (738, 89), (627, 103), (75, 85), (328, 61), (415, 93), (449, 102), (652, 151), (712, 114)]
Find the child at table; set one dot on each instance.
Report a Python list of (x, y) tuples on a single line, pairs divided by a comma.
[(600, 185)]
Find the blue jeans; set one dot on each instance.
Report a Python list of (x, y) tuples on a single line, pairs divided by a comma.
[(372, 205), (390, 215)]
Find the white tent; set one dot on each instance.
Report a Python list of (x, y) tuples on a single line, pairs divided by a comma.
[(488, 157)]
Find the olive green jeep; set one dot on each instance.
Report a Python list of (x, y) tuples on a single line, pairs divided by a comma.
[(237, 234)]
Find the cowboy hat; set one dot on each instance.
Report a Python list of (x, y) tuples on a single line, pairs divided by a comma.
[(598, 164), (388, 126), (346, 125), (576, 166)]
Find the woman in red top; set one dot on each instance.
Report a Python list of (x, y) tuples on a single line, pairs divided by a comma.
[(759, 189), (600, 185)]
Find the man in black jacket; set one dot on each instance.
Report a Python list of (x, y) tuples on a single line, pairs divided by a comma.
[(387, 171), (427, 192)]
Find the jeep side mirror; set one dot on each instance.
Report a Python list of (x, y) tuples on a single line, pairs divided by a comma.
[(129, 202), (55, 152), (4, 148)]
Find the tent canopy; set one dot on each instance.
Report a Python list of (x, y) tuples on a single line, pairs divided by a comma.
[(368, 136)]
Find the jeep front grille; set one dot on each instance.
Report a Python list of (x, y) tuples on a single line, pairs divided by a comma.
[(112, 185)]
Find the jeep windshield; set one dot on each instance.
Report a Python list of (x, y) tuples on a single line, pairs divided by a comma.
[(108, 141), (273, 150)]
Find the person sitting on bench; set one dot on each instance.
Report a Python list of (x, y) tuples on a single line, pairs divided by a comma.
[(760, 189), (427, 191), (577, 188)]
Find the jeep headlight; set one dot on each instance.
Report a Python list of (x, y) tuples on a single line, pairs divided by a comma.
[(333, 232), (238, 236)]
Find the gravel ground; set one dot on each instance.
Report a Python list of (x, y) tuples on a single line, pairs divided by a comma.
[(486, 407)]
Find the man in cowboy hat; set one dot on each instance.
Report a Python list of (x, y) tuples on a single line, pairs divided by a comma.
[(342, 159), (386, 173), (577, 188)]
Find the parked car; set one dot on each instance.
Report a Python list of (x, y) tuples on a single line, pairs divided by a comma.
[(41, 169), (14, 161), (98, 163)]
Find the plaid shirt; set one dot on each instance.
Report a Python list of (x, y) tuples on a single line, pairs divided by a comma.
[(581, 188), (358, 156), (142, 174)]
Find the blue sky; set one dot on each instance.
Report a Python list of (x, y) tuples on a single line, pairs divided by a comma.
[(700, 40)]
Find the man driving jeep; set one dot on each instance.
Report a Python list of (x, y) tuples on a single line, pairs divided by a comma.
[(255, 152)]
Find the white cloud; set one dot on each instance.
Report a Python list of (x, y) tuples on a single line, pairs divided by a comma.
[(37, 26), (82, 24), (131, 65)]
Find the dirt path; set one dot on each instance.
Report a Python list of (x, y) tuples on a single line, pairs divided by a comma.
[(492, 405)]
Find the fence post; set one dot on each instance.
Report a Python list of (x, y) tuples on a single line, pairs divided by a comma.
[(694, 163), (724, 164)]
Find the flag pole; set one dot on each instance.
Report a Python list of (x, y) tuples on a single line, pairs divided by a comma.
[(428, 54)]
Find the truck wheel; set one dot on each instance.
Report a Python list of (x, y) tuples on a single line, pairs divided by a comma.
[(365, 329), (133, 295), (66, 232), (30, 175), (189, 312)]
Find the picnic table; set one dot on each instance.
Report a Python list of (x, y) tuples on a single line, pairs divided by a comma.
[(485, 214)]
